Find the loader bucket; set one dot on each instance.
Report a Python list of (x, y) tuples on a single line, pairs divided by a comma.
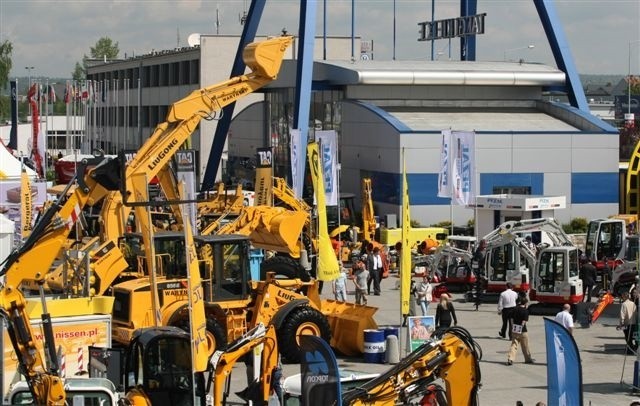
[(265, 58), (348, 322), (279, 230)]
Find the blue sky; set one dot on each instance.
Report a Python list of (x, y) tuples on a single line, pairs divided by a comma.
[(52, 35)]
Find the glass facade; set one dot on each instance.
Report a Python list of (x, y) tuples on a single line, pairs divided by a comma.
[(325, 114)]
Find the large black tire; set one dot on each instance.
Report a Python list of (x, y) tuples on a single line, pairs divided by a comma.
[(216, 334), (303, 320), (284, 267)]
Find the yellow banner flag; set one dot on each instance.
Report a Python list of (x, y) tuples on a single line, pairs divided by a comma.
[(328, 267), (405, 265), (26, 202)]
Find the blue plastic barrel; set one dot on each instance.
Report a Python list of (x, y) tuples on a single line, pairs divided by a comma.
[(374, 346), (391, 331)]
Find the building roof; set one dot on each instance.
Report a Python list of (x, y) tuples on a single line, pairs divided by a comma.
[(438, 73), (485, 120)]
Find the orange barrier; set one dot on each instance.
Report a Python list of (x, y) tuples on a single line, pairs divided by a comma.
[(605, 301)]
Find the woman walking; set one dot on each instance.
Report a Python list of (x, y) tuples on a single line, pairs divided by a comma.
[(445, 313)]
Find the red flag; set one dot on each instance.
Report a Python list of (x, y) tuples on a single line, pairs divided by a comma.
[(67, 93), (52, 94)]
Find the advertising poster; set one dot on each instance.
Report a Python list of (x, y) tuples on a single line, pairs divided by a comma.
[(72, 335), (264, 174), (420, 330), (11, 201)]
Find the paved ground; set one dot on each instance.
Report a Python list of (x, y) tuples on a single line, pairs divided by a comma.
[(607, 373)]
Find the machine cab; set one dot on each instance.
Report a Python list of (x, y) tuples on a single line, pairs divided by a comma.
[(158, 367), (169, 251), (557, 276), (504, 263), (605, 238), (224, 266)]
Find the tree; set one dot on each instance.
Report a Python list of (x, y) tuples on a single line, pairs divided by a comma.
[(105, 49), (6, 48), (79, 73)]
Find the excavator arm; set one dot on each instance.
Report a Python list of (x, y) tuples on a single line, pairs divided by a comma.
[(455, 358), (31, 261), (224, 361), (263, 58), (547, 225), (368, 218)]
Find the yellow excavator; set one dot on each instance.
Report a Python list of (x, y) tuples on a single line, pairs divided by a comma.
[(452, 358), (32, 260)]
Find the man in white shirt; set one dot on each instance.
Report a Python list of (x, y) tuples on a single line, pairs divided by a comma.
[(565, 318), (506, 305)]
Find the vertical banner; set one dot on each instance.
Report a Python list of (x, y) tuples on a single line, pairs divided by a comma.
[(26, 211), (564, 370), (329, 152), (297, 179), (264, 182), (320, 375), (405, 267), (463, 167), (444, 176), (328, 268), (13, 135), (186, 172)]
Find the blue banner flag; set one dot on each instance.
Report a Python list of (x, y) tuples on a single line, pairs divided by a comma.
[(564, 371), (319, 372), (13, 135)]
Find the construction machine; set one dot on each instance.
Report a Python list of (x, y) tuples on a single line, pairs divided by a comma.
[(233, 301), (612, 252), (31, 261), (452, 358), (351, 241), (452, 262), (549, 273), (151, 162)]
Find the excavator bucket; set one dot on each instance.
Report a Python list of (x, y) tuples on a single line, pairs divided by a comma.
[(348, 322), (265, 58)]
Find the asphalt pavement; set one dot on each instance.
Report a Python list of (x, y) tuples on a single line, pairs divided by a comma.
[(607, 372)]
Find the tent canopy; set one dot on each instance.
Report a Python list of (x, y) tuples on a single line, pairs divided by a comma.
[(10, 166)]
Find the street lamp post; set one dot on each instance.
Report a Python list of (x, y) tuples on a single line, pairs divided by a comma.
[(629, 117), (29, 68), (530, 46)]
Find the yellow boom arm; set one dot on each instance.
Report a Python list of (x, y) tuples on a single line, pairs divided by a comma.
[(263, 58), (455, 359)]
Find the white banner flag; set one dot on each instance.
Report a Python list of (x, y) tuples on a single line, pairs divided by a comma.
[(444, 176), (297, 180), (329, 144), (463, 168)]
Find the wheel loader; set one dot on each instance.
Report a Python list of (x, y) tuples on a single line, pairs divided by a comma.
[(233, 302)]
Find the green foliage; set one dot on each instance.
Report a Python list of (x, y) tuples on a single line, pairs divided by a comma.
[(443, 224), (105, 47), (79, 72), (577, 225), (415, 224), (51, 175), (6, 48)]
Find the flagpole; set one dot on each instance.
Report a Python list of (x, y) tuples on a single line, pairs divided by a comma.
[(402, 345)]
